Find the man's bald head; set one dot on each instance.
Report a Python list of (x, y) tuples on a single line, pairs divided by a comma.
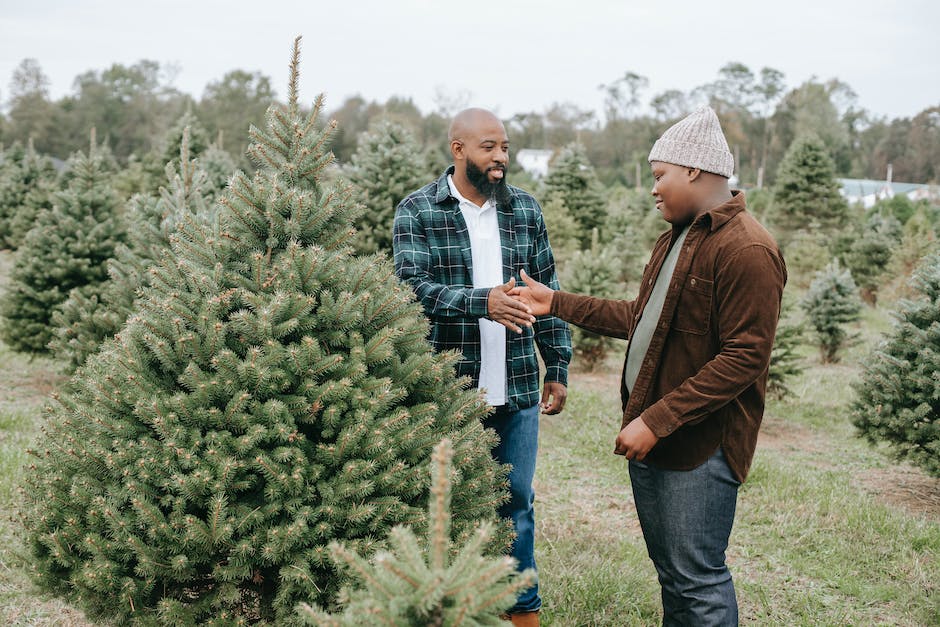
[(470, 122)]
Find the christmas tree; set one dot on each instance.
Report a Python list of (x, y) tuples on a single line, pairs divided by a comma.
[(96, 312), (146, 175), (918, 240), (67, 248), (387, 166), (898, 397), (430, 582), (564, 231), (785, 362), (806, 194), (27, 183), (593, 272), (830, 303), (870, 252), (572, 179), (631, 227), (271, 393), (807, 252)]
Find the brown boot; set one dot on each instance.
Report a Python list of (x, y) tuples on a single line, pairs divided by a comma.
[(525, 619)]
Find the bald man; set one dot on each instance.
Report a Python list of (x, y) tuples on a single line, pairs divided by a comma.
[(460, 243)]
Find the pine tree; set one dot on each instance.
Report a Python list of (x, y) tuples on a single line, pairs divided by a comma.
[(898, 397), (563, 230), (807, 252), (145, 175), (631, 226), (630, 211), (27, 183), (387, 166), (94, 313), (572, 178), (870, 252), (918, 240), (428, 582), (593, 272), (832, 302), (806, 194), (270, 393), (785, 362), (67, 248), (899, 207), (218, 164)]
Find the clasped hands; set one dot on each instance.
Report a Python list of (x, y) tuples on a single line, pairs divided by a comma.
[(515, 306)]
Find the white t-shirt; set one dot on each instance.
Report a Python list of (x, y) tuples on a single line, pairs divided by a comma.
[(486, 252)]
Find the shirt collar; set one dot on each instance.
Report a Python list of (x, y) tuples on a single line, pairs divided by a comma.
[(443, 188), (461, 199), (721, 214)]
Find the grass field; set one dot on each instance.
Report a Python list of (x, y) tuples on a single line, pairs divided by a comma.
[(830, 531)]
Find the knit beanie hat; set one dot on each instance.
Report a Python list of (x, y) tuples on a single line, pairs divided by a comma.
[(696, 142)]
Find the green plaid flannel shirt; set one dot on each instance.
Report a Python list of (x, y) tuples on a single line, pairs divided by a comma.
[(432, 255)]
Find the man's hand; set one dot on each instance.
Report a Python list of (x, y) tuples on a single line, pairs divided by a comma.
[(506, 310), (536, 295), (553, 397), (635, 440)]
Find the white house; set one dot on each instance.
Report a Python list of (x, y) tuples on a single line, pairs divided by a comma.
[(867, 192), (534, 161)]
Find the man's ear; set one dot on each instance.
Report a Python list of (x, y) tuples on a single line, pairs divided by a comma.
[(456, 149), (694, 173)]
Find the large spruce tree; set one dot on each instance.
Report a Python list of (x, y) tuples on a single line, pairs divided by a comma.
[(67, 247), (270, 394)]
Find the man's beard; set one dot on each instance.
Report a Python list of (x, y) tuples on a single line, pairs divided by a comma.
[(498, 192)]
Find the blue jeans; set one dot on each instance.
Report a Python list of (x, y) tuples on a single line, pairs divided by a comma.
[(686, 517), (518, 433)]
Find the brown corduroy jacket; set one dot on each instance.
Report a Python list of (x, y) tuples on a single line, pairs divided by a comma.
[(703, 381)]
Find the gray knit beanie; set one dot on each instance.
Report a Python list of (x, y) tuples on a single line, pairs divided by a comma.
[(696, 142)]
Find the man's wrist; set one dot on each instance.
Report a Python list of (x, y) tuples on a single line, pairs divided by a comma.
[(556, 374), (480, 302)]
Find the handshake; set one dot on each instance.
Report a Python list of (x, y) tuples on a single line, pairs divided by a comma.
[(517, 306)]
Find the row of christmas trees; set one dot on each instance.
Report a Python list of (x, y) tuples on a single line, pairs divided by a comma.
[(599, 235)]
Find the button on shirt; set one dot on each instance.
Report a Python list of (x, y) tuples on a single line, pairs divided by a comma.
[(487, 268)]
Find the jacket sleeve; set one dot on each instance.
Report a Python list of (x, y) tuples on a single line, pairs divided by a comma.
[(748, 289), (604, 316), (552, 335), (413, 266)]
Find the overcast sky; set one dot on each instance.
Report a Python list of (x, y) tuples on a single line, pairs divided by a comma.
[(511, 56)]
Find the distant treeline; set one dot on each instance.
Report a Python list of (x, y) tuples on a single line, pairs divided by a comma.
[(133, 107)]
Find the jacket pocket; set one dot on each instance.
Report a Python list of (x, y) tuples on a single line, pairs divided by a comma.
[(694, 310)]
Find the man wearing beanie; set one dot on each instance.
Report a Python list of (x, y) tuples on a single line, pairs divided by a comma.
[(701, 331)]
